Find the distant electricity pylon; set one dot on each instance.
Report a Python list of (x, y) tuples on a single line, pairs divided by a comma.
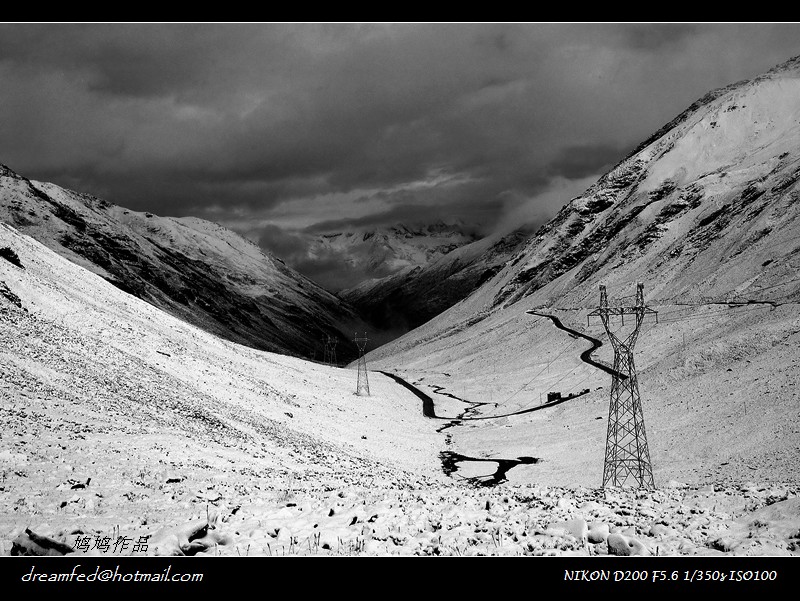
[(362, 388), (330, 349), (627, 455)]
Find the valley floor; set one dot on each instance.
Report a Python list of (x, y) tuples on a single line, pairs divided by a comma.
[(102, 493), (127, 431)]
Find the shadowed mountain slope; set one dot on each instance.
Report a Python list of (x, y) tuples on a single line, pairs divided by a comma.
[(194, 269)]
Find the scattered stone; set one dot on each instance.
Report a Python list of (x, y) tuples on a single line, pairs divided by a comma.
[(598, 532), (724, 543), (9, 255), (619, 544), (5, 292), (576, 528), (661, 530), (776, 495), (565, 503), (284, 535), (31, 544)]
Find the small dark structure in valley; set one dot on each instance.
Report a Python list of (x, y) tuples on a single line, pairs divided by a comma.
[(557, 396)]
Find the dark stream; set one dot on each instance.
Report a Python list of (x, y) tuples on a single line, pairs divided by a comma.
[(428, 408), (586, 356), (450, 459)]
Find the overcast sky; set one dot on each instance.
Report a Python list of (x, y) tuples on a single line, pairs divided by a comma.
[(280, 131)]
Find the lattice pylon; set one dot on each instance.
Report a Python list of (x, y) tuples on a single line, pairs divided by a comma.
[(627, 457), (362, 387), (330, 349)]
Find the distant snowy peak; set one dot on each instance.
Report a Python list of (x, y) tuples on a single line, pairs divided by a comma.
[(437, 228), (413, 295), (391, 249)]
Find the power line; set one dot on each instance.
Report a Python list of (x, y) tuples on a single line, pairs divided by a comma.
[(704, 315)]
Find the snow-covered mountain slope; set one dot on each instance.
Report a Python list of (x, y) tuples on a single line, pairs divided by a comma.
[(383, 252), (97, 384), (194, 269), (705, 214), (414, 295), (707, 207)]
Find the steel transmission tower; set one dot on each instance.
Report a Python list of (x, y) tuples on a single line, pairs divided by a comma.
[(627, 456), (362, 388), (330, 349)]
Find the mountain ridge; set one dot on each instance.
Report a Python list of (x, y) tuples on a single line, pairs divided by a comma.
[(589, 222), (193, 268), (377, 253)]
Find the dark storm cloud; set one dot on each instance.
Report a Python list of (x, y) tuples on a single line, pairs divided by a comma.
[(181, 192), (653, 36), (340, 107), (332, 271), (352, 125), (132, 59), (575, 162), (483, 213), (285, 244)]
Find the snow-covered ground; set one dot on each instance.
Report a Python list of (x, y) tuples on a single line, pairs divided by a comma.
[(122, 421), (99, 385)]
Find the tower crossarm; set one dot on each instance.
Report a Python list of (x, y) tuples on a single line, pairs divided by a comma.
[(605, 312)]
